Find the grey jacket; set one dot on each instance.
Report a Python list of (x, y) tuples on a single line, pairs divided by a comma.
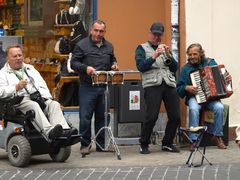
[(158, 72)]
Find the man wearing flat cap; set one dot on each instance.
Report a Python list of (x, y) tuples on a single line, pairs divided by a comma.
[(157, 66)]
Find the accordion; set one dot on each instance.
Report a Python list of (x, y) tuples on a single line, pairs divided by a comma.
[(211, 82)]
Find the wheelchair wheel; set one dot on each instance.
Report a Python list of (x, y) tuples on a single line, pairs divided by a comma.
[(61, 155), (19, 151)]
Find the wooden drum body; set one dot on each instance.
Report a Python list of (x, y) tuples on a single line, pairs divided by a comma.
[(99, 77), (116, 77), (105, 77)]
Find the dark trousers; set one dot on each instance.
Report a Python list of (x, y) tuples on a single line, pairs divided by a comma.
[(153, 97), (91, 100)]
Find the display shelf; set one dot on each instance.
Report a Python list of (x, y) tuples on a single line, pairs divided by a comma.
[(62, 1), (60, 57), (10, 6), (12, 15), (62, 81), (63, 25)]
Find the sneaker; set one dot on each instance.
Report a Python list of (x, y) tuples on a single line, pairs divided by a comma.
[(144, 150), (170, 148)]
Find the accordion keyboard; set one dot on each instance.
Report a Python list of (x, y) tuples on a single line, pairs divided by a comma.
[(196, 81)]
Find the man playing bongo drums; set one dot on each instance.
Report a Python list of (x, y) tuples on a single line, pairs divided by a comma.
[(92, 54)]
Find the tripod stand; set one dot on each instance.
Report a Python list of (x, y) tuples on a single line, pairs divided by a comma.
[(107, 128)]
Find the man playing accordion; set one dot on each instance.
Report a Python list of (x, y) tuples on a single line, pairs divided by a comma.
[(185, 89)]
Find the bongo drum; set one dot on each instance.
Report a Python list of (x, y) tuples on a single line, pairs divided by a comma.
[(99, 77), (116, 77)]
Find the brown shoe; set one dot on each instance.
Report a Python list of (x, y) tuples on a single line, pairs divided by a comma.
[(85, 150), (219, 142)]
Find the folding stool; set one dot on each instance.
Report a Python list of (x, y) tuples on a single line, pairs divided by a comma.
[(200, 130)]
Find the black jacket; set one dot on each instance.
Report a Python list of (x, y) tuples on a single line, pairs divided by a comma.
[(87, 53)]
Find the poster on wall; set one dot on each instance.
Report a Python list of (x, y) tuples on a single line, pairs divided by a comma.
[(35, 12), (134, 100)]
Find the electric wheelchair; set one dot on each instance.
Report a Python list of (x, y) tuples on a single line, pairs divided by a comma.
[(21, 140)]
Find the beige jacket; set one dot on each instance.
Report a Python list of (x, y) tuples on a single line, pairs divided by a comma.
[(158, 72)]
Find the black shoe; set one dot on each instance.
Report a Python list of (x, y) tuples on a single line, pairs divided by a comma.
[(69, 132), (170, 148), (144, 150), (55, 132)]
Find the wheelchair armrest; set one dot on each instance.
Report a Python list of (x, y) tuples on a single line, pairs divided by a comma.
[(7, 105), (12, 100), (19, 117)]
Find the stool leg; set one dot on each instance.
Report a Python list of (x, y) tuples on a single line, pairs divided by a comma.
[(204, 157), (189, 157), (204, 150)]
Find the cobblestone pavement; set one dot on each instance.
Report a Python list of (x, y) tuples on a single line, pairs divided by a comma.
[(216, 172), (105, 166)]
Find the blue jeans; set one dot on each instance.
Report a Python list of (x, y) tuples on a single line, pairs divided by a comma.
[(91, 100), (216, 107)]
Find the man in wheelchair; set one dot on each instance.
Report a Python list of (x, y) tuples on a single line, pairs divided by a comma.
[(25, 99), (21, 140), (20, 79)]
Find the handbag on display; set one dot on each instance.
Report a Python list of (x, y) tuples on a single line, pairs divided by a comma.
[(63, 17), (78, 32), (62, 46)]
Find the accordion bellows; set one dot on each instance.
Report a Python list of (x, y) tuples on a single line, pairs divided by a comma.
[(211, 82)]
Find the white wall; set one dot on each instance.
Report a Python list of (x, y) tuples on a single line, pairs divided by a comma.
[(215, 24)]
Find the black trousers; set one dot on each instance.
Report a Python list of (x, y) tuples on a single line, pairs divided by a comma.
[(153, 97)]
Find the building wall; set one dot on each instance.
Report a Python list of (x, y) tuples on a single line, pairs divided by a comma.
[(128, 25), (215, 24)]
